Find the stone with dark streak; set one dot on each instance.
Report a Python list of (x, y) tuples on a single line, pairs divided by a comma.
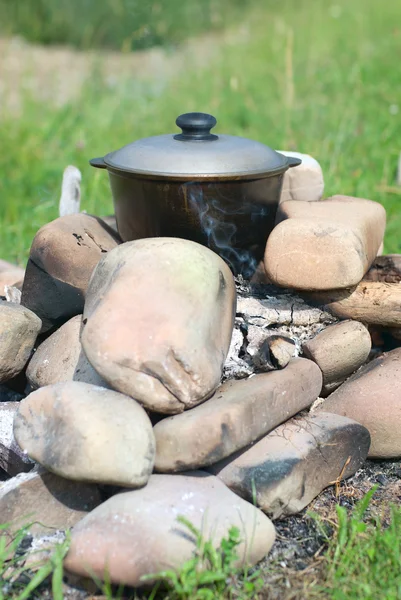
[(291, 465), (87, 433), (63, 255), (238, 414), (158, 321)]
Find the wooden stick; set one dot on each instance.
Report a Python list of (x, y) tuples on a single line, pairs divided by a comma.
[(371, 302)]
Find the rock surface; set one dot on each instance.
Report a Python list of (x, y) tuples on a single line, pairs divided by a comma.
[(166, 344), (291, 465), (61, 261), (339, 350), (9, 275), (239, 413), (87, 433), (137, 533), (49, 501), (12, 459), (324, 245), (305, 182), (61, 358), (372, 396), (19, 328)]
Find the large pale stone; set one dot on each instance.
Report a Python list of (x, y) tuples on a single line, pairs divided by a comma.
[(160, 316), (291, 465), (9, 275), (12, 459), (48, 501), (61, 358), (339, 350), (304, 182), (87, 433), (324, 245), (61, 261), (137, 533), (19, 328), (239, 413), (372, 396)]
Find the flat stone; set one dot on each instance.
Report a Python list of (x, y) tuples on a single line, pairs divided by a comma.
[(87, 433), (61, 358), (372, 397), (9, 275), (339, 350), (19, 328), (159, 317), (48, 501), (305, 182), (61, 261), (291, 465), (137, 533), (238, 414), (324, 245), (12, 459)]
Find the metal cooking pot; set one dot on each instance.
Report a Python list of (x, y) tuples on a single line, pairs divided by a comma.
[(219, 190)]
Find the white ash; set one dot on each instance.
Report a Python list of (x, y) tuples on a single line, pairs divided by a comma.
[(6, 427), (12, 294), (264, 311), (47, 542)]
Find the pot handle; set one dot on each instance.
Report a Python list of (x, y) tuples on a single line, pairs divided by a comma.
[(98, 163), (293, 161), (195, 127)]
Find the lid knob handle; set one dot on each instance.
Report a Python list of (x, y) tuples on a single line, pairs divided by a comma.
[(195, 126)]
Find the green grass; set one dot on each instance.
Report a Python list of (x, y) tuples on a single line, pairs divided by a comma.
[(313, 76), (363, 562), (119, 24)]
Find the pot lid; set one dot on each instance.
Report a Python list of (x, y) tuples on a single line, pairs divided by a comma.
[(196, 153)]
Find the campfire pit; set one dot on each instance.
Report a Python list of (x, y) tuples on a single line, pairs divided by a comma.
[(149, 367)]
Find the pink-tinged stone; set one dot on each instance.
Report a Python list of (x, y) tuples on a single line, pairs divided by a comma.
[(239, 413), (324, 245), (372, 396), (137, 533), (158, 318)]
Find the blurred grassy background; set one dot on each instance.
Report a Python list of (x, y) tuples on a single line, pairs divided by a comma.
[(313, 76)]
